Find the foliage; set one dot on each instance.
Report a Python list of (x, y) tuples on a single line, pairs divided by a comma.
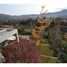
[(63, 57), (58, 44), (27, 21), (45, 49), (22, 52), (52, 24), (61, 50), (21, 31)]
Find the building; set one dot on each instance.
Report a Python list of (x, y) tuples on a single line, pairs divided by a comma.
[(7, 33)]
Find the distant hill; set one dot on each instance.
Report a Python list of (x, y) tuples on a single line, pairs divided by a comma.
[(62, 14), (9, 17), (5, 17)]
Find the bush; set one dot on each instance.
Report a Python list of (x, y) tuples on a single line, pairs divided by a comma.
[(63, 57), (52, 24)]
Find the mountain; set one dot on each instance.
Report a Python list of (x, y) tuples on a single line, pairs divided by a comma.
[(5, 17), (26, 16), (9, 17), (62, 14)]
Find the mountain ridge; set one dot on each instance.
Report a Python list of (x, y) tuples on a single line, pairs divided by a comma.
[(61, 14)]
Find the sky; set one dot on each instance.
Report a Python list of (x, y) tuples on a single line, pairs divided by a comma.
[(24, 7)]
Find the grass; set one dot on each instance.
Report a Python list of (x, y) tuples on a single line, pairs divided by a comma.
[(48, 60), (45, 50)]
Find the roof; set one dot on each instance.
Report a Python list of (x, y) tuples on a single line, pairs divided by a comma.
[(6, 33)]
